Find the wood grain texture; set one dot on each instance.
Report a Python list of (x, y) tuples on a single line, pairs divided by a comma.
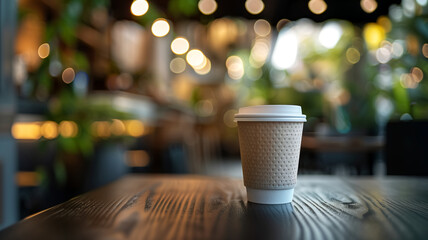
[(196, 207)]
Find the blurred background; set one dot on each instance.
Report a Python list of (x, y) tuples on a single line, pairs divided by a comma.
[(96, 89)]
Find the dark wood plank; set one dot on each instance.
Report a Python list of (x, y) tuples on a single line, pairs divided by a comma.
[(195, 207)]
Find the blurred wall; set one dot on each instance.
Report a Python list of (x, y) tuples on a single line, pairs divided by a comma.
[(8, 193)]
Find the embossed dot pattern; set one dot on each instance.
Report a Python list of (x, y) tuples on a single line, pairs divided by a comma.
[(270, 153)]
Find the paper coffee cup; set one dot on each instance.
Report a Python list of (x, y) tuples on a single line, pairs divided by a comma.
[(270, 137)]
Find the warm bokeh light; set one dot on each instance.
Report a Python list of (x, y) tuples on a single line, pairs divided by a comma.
[(407, 81), (353, 55), (137, 158), (385, 23), (117, 127), (134, 128), (374, 34), (180, 46), (68, 75), (254, 6), (207, 7), (330, 34), (160, 27), (417, 74), (101, 129), (139, 7), (368, 6), (317, 6), (282, 23), (68, 129), (259, 53), (177, 65), (262, 27), (44, 50), (26, 130), (205, 69), (195, 58), (49, 129), (205, 108), (235, 67), (425, 50), (27, 179)]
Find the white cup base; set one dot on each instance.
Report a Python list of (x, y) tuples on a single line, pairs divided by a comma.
[(265, 196)]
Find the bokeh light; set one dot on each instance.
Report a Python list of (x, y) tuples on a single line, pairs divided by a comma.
[(179, 46), (207, 7), (44, 50), (134, 128), (117, 127), (368, 6), (259, 53), (417, 74), (205, 69), (68, 75), (195, 58), (374, 34), (177, 65), (282, 23), (137, 158), (68, 129), (284, 54), (353, 55), (235, 67), (49, 130), (139, 7), (26, 130), (262, 27), (160, 27), (254, 6), (407, 81), (317, 6), (330, 34), (101, 129), (384, 53), (385, 23), (422, 2), (397, 49), (425, 50)]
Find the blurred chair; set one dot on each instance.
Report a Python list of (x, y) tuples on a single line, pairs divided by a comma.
[(406, 151)]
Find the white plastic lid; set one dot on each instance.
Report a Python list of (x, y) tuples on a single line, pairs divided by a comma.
[(271, 113)]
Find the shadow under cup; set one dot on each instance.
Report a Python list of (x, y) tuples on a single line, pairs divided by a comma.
[(270, 137)]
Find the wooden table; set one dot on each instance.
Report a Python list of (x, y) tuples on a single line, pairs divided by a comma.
[(196, 207)]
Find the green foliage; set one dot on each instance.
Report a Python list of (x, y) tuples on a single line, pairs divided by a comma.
[(185, 8)]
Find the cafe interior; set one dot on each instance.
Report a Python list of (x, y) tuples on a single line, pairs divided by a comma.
[(91, 91)]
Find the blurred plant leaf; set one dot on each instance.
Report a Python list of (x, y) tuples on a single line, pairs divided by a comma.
[(402, 101), (183, 7)]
